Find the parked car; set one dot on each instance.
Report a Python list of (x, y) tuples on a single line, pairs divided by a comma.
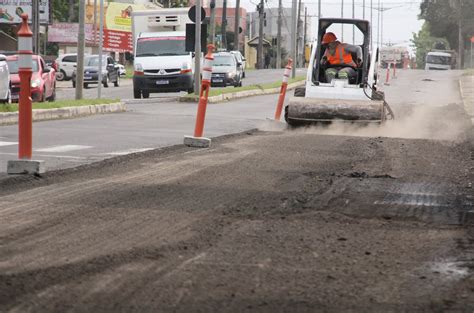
[(110, 71), (241, 59), (66, 64), (43, 79), (122, 70), (5, 93), (226, 70)]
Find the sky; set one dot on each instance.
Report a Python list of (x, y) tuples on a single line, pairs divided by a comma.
[(400, 18)]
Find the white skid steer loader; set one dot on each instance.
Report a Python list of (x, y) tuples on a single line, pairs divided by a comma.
[(354, 100)]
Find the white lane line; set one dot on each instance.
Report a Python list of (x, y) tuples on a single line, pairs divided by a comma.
[(7, 143), (35, 156), (129, 151), (64, 148)]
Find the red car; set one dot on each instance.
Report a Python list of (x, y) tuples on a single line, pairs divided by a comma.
[(43, 79)]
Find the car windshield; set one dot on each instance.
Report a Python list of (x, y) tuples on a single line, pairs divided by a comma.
[(224, 60), (438, 59), (13, 66), (94, 61), (161, 46)]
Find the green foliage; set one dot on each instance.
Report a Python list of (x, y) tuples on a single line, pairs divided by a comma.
[(174, 3), (59, 104), (424, 42)]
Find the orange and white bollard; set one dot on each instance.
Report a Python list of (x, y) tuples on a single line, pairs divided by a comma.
[(387, 77), (197, 140), (24, 164), (284, 86)]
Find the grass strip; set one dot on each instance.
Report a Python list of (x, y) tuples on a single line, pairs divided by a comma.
[(468, 72), (58, 104), (220, 91)]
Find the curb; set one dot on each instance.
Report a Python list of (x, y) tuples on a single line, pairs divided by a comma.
[(243, 94), (467, 97), (10, 118)]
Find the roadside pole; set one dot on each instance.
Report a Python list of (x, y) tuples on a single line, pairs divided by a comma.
[(304, 35), (80, 52), (213, 21), (353, 27), (298, 31), (293, 35), (279, 22), (197, 49), (236, 26), (224, 25), (363, 10), (24, 164), (95, 21), (342, 16), (101, 37), (260, 35)]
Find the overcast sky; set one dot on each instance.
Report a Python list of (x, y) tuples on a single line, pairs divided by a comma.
[(400, 21)]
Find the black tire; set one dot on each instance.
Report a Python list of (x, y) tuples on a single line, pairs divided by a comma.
[(191, 90), (137, 94), (300, 92), (86, 85), (243, 75), (43, 96), (61, 75), (73, 84), (53, 96), (117, 82), (106, 81), (146, 94)]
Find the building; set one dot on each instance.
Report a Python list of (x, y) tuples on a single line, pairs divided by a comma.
[(270, 29)]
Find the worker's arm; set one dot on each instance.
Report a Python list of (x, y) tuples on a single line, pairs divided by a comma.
[(354, 49)]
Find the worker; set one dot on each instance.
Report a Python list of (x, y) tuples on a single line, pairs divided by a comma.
[(338, 53)]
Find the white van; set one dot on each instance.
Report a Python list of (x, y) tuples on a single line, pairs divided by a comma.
[(5, 91), (438, 61)]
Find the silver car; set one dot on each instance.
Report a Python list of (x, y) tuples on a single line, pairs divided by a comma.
[(5, 92)]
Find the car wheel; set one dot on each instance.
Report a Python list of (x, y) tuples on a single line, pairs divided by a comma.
[(43, 96), (53, 95), (60, 76), (106, 81), (117, 82), (73, 84), (243, 75), (191, 90), (240, 83), (137, 93), (146, 94), (86, 85)]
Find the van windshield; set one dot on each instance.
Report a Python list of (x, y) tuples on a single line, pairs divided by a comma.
[(13, 66), (438, 59), (161, 46)]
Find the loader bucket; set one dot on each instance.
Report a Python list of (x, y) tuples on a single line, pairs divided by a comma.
[(309, 110)]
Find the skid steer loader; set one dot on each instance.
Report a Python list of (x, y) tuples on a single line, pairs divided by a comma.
[(354, 100)]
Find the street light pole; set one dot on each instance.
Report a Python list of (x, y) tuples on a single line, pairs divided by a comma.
[(101, 37), (353, 17), (293, 36), (236, 26), (278, 61), (342, 16), (197, 50), (80, 52)]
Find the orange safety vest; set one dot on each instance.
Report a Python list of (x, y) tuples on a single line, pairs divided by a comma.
[(340, 56)]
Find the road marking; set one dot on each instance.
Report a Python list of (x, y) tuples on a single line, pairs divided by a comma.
[(7, 143), (64, 148), (50, 156), (129, 151)]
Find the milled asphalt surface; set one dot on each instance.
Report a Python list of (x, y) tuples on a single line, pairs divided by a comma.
[(321, 219)]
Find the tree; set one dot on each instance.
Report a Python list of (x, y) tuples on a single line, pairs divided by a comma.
[(424, 42)]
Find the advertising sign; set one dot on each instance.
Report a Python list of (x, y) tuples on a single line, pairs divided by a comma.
[(68, 32), (11, 10)]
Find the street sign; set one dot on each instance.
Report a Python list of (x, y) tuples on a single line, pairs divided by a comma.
[(192, 13)]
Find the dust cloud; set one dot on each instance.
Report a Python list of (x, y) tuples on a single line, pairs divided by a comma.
[(447, 123)]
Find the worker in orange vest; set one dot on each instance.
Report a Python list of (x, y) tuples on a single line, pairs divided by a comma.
[(338, 59)]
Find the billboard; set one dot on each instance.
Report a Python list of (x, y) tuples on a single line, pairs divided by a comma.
[(68, 32), (11, 10)]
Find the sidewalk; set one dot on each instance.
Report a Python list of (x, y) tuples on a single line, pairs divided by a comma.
[(466, 84)]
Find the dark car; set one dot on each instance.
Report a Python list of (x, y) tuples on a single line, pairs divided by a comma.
[(226, 70), (110, 71)]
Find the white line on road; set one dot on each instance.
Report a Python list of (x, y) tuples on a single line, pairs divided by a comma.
[(51, 156), (129, 151), (64, 148), (7, 143)]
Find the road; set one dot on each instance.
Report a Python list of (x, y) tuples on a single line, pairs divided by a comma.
[(125, 91), (321, 219)]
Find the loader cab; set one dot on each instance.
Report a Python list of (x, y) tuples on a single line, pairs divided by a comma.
[(362, 39)]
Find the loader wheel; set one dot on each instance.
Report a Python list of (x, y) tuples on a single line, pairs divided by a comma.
[(300, 92)]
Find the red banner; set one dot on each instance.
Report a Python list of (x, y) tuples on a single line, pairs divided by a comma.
[(118, 41)]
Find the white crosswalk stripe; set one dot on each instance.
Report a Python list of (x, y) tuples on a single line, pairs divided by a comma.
[(64, 148)]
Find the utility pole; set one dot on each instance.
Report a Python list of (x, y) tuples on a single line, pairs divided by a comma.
[(363, 10), (319, 10), (378, 24), (460, 35), (236, 27), (95, 22), (260, 34), (35, 25), (293, 37), (224, 24), (101, 43), (213, 21), (279, 22), (304, 34), (80, 52), (197, 50), (371, 25), (342, 16), (353, 27), (298, 38), (381, 26)]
